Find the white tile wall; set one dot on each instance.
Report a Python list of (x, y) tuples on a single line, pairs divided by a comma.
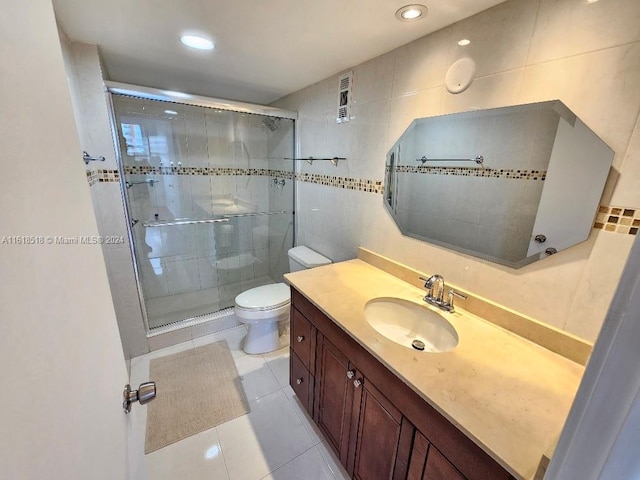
[(587, 55), (90, 108)]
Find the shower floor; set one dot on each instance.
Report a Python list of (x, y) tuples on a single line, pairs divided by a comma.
[(175, 308)]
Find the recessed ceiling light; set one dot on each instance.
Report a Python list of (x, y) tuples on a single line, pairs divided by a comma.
[(464, 42), (408, 13), (196, 41), (592, 1), (170, 112)]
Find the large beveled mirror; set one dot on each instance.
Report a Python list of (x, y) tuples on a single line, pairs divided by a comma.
[(510, 185)]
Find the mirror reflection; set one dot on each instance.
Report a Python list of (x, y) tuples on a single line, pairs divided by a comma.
[(511, 185)]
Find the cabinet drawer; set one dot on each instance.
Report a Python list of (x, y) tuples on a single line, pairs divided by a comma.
[(300, 381), (301, 337), (299, 301)]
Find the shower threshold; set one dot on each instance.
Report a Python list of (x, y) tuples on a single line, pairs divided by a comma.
[(169, 313)]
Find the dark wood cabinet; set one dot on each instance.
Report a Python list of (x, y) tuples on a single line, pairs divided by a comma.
[(361, 425), (334, 396), (376, 447), (300, 381), (427, 463), (379, 428)]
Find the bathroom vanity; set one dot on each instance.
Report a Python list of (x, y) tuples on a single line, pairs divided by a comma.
[(488, 409)]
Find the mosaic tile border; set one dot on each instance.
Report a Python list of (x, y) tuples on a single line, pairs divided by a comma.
[(615, 219), (371, 186), (102, 175), (618, 219), (510, 174), (207, 171)]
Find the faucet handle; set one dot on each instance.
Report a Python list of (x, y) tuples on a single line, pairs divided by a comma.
[(453, 293)]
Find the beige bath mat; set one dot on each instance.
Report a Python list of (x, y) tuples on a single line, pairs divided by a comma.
[(196, 390)]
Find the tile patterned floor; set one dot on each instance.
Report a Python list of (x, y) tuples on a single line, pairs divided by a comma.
[(276, 440)]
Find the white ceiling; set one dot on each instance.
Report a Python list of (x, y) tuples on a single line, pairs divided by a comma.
[(265, 49)]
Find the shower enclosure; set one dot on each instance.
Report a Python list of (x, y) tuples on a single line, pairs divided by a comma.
[(209, 195)]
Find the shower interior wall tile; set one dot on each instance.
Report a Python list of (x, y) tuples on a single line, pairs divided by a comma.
[(261, 267), (196, 134), (154, 278), (592, 26), (207, 272), (178, 242), (182, 276)]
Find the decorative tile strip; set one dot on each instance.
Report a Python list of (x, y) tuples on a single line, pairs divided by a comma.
[(207, 171), (101, 175), (372, 186), (475, 172), (618, 219), (92, 177)]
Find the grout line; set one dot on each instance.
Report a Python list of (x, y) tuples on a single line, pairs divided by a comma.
[(222, 451), (286, 463)]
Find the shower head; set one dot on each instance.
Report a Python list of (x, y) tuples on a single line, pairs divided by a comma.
[(272, 123)]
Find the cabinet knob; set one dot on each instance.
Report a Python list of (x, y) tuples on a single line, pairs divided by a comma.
[(300, 338), (351, 374), (299, 381), (357, 383)]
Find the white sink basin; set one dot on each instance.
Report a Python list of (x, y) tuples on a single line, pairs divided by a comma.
[(403, 322)]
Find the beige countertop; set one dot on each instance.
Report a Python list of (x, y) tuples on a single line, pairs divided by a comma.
[(508, 394)]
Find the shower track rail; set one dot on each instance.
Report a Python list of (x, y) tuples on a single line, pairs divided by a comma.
[(221, 219)]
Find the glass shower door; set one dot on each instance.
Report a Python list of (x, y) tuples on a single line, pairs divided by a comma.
[(211, 201)]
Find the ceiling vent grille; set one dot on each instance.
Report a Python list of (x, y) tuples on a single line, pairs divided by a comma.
[(345, 87)]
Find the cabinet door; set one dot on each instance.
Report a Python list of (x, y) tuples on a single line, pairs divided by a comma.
[(439, 468), (375, 443), (333, 396), (427, 463)]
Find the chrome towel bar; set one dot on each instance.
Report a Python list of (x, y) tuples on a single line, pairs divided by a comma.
[(479, 160), (193, 221)]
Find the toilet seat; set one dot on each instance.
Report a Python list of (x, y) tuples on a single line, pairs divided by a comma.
[(264, 298)]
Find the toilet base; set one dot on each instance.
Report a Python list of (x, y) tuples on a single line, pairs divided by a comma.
[(262, 337)]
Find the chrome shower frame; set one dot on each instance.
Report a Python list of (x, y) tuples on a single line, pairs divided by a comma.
[(147, 93)]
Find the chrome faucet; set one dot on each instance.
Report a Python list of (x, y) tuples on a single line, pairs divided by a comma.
[(435, 293), (435, 284)]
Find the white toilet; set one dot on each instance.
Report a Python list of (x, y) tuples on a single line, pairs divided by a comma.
[(264, 308)]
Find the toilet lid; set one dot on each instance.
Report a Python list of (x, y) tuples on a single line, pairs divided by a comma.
[(265, 297)]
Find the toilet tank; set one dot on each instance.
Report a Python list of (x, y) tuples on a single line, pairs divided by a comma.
[(301, 258)]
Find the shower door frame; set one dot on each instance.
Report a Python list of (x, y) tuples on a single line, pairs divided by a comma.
[(148, 93)]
